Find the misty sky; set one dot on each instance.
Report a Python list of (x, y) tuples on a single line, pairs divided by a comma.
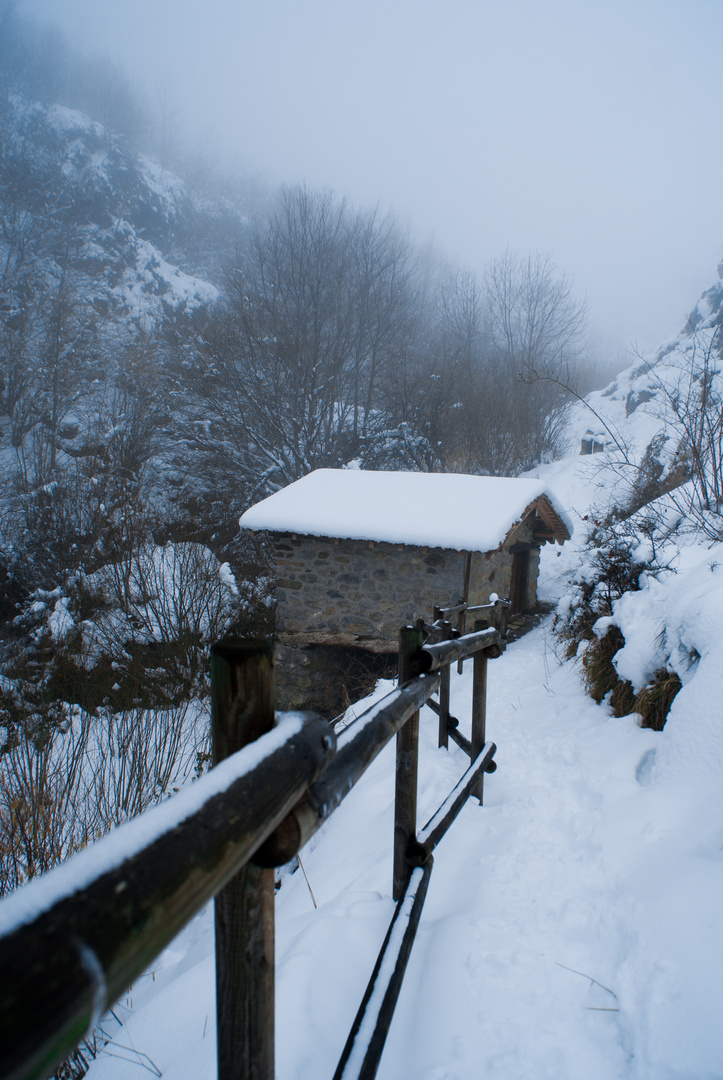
[(589, 129)]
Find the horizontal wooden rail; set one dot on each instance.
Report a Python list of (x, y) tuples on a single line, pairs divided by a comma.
[(433, 657), (72, 942), (63, 969), (362, 1053), (452, 721), (470, 609), (358, 746), (445, 612), (427, 839), (475, 609), (462, 741)]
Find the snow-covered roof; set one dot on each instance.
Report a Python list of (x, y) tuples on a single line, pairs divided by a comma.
[(445, 510)]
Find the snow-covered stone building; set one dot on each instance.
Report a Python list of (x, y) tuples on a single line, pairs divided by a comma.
[(360, 554)]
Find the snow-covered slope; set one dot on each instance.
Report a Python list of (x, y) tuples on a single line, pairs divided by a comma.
[(109, 269), (572, 928), (654, 401), (120, 214)]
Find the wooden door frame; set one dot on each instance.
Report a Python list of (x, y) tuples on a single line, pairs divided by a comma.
[(520, 578)]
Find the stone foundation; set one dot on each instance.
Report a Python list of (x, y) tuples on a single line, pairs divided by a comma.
[(341, 603), (327, 679)]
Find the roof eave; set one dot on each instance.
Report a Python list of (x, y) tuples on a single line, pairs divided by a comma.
[(556, 526)]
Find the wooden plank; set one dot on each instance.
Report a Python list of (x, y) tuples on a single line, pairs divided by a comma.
[(363, 1050)]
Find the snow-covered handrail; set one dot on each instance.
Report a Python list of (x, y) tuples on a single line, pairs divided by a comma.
[(413, 853), (433, 657), (358, 746), (498, 609), (72, 941)]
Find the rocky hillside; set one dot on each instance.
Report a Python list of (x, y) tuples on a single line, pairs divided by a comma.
[(640, 597), (105, 263), (74, 198), (661, 416)]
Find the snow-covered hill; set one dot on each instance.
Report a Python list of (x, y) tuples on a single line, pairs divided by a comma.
[(658, 483), (652, 416), (123, 219), (109, 269)]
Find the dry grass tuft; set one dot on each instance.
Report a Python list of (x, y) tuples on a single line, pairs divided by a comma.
[(654, 701)]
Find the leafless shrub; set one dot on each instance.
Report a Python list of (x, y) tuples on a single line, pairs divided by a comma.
[(166, 601), (689, 401), (63, 792), (140, 757), (41, 819)]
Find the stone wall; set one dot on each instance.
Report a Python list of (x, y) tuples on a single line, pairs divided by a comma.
[(359, 593), (327, 678)]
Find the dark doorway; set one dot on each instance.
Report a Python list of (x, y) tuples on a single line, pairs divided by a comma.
[(520, 581)]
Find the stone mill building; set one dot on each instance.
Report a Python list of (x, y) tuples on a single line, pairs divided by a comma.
[(360, 554)]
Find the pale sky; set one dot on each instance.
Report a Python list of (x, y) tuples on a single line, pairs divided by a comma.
[(587, 129)]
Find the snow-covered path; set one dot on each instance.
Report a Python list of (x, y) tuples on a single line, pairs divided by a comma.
[(580, 859)]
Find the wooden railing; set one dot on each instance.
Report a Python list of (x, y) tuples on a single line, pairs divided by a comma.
[(496, 613), (73, 941)]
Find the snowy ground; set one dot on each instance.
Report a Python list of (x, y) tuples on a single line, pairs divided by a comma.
[(573, 927)]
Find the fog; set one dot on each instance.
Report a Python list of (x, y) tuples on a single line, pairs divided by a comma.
[(590, 131)]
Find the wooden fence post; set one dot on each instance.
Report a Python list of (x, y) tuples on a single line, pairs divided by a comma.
[(462, 617), (444, 689), (479, 703), (502, 614), (444, 681), (242, 711), (411, 639)]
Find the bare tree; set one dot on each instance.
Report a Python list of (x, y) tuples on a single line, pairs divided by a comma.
[(688, 399), (485, 355), (533, 320), (316, 311), (534, 329)]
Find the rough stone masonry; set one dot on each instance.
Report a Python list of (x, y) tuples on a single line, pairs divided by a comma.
[(359, 592)]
